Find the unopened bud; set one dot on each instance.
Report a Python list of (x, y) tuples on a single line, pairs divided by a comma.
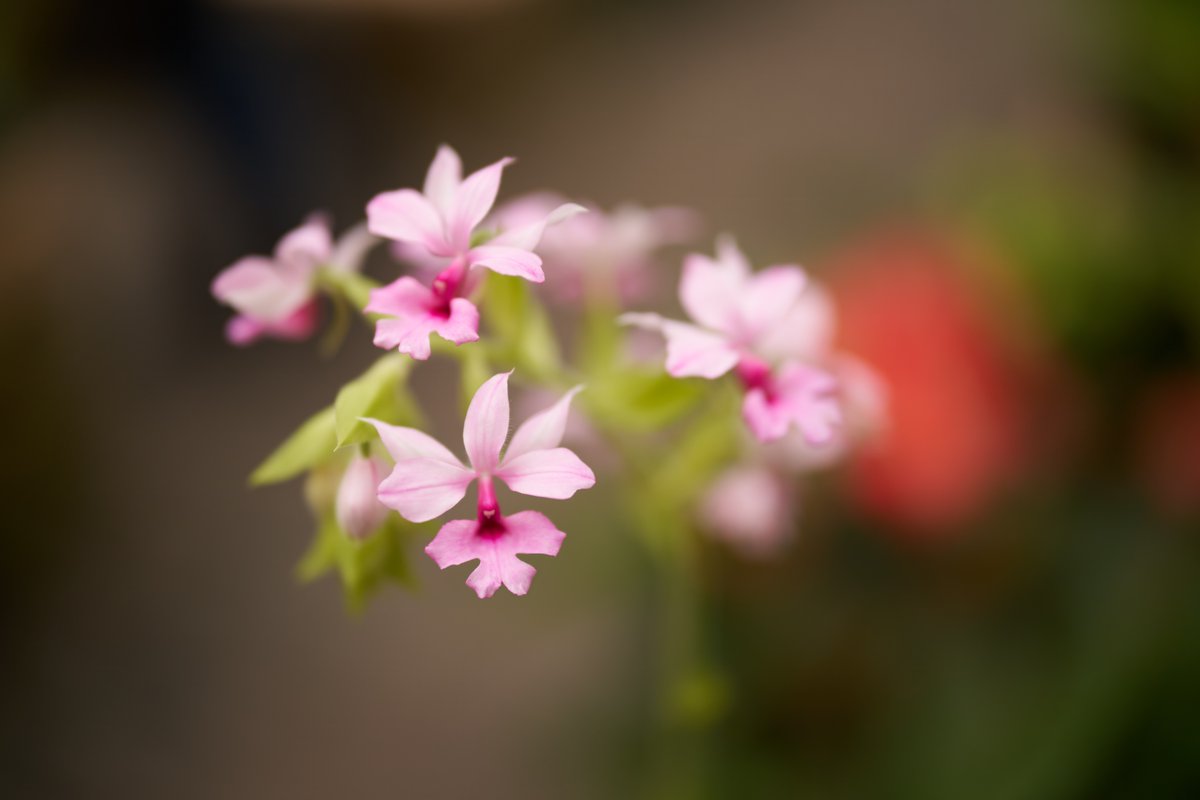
[(359, 511)]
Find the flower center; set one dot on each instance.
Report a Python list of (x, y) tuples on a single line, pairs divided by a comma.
[(445, 288), (754, 373), (491, 521)]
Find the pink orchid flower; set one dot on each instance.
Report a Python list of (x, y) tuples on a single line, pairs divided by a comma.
[(276, 297), (443, 220), (429, 480), (738, 312), (747, 321)]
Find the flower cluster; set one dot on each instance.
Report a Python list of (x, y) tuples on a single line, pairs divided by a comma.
[(368, 456)]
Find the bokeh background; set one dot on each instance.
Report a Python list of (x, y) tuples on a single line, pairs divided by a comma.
[(1001, 600)]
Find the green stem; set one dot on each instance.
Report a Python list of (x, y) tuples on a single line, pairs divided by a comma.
[(682, 719)]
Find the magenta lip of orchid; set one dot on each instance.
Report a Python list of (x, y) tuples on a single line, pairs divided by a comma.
[(428, 480), (443, 219)]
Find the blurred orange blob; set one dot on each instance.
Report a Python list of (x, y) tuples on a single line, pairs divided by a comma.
[(959, 405), (1168, 439)]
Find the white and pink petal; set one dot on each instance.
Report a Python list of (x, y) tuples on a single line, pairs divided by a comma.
[(421, 489), (543, 430), (486, 425), (556, 474), (527, 236), (709, 292), (472, 201), (407, 216), (307, 247), (255, 287), (507, 260), (805, 332), (443, 179), (767, 298)]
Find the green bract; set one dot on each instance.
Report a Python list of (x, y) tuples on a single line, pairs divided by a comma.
[(312, 443), (380, 393), (363, 566)]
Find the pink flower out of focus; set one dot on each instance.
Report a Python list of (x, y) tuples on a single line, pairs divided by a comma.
[(442, 220), (764, 326), (751, 508), (276, 297), (429, 480), (358, 509), (607, 253)]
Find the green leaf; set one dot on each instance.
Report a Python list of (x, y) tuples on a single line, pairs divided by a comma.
[(313, 442), (522, 330), (380, 393)]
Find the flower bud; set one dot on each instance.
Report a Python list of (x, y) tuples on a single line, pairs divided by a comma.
[(359, 511), (749, 508)]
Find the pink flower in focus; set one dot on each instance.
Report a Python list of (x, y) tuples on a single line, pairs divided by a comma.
[(442, 220), (429, 480), (275, 297), (747, 321), (358, 509)]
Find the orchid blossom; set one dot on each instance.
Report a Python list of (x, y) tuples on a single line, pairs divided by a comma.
[(277, 297), (429, 480), (863, 398), (746, 320), (444, 221)]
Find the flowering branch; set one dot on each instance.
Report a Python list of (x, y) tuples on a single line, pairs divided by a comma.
[(374, 476)]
